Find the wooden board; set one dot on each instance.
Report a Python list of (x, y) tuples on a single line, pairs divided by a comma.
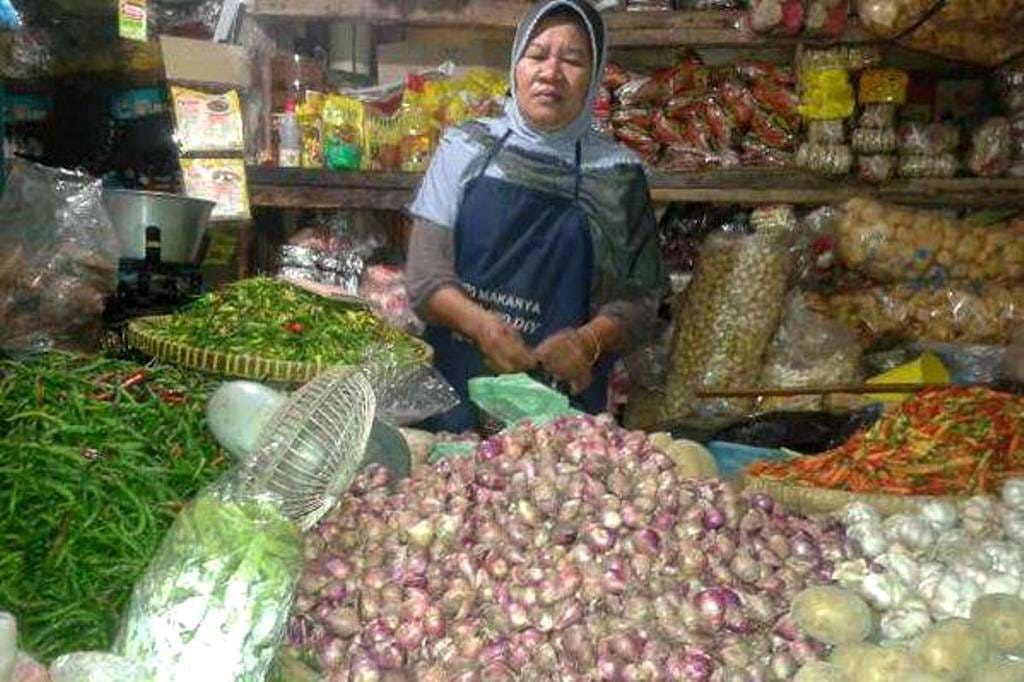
[(627, 29), (298, 188)]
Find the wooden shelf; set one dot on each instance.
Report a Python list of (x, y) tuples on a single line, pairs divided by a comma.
[(303, 188), (706, 28)]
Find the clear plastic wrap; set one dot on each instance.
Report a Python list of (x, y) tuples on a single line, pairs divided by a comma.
[(928, 166), (1010, 80), (847, 57), (709, 4), (889, 18), (407, 393), (96, 666), (892, 244), (985, 32), (961, 312), (826, 18), (777, 17), (26, 53), (877, 116), (928, 139), (874, 140), (991, 148), (826, 132), (59, 259), (384, 287), (684, 227), (876, 167), (834, 159), (728, 315), (968, 363), (809, 349), (777, 220), (214, 601)]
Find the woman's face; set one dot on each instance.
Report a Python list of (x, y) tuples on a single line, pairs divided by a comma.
[(553, 75)]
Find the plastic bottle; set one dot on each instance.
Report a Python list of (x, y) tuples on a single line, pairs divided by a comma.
[(289, 149)]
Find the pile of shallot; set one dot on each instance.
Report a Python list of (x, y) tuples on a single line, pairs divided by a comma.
[(568, 552)]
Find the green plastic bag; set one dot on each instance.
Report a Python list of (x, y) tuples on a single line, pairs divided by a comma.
[(455, 449), (512, 398)]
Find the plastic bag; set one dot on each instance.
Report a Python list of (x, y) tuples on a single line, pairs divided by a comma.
[(684, 227), (214, 601), (827, 94), (986, 32), (826, 159), (961, 312), (96, 666), (384, 287), (10, 19), (876, 168), (776, 220), (731, 309), (847, 57), (511, 398), (892, 243), (827, 18), (874, 140), (991, 148), (59, 259), (928, 166), (928, 139), (878, 116), (222, 181), (408, 393), (1010, 80), (826, 132), (805, 432), (207, 122), (779, 17), (809, 349), (968, 363), (889, 18)]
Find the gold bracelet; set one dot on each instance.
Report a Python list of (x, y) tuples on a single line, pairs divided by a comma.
[(594, 341)]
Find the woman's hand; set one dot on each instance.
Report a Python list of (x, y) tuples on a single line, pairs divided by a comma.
[(569, 356), (503, 348)]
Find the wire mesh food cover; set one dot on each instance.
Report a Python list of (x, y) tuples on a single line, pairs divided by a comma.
[(312, 448)]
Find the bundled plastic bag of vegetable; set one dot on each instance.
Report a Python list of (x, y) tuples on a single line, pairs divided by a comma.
[(214, 601)]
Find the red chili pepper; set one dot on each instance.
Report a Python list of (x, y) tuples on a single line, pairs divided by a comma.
[(294, 327), (134, 379)]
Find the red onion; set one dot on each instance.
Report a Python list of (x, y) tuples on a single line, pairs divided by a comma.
[(713, 518), (598, 538), (697, 666)]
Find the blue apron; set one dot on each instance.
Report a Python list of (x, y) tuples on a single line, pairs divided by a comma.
[(527, 256)]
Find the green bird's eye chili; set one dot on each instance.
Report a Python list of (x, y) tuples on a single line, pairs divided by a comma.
[(96, 458)]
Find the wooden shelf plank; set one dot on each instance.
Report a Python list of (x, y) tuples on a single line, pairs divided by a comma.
[(708, 28), (300, 188)]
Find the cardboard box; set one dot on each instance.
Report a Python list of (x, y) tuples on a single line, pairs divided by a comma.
[(205, 62), (428, 48)]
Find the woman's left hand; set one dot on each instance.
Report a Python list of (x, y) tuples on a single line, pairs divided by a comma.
[(568, 356)]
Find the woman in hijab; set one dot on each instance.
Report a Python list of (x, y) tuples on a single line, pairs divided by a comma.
[(534, 244)]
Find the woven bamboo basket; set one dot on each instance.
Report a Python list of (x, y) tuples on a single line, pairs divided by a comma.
[(140, 336), (807, 500)]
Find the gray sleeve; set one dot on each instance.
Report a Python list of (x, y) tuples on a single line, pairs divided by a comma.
[(430, 263), (638, 317)]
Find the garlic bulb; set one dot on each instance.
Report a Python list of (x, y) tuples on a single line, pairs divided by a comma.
[(1013, 494), (941, 516), (902, 566), (907, 621), (1013, 525), (1002, 583), (981, 517), (870, 538), (859, 513), (954, 546), (928, 577), (953, 596), (850, 574), (1004, 557), (884, 591)]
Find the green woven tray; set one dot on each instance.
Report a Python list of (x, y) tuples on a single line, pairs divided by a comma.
[(140, 337)]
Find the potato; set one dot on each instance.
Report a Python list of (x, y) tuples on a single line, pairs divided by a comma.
[(1001, 618), (832, 615), (953, 648)]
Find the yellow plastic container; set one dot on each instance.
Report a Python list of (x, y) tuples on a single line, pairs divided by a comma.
[(927, 369)]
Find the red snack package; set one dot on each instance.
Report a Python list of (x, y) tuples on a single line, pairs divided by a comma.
[(665, 130), (719, 123), (738, 101), (778, 99), (756, 153), (615, 76), (682, 106), (640, 117), (827, 18), (771, 130), (643, 91), (638, 140), (752, 71)]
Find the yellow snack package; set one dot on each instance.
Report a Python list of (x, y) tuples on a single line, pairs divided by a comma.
[(883, 86), (827, 95), (205, 122), (219, 180), (417, 142), (343, 132), (383, 151), (308, 116)]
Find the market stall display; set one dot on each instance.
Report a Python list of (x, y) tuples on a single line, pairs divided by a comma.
[(99, 455), (542, 554), (955, 441), (266, 328)]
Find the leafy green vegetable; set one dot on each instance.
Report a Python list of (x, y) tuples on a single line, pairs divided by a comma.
[(276, 320), (214, 602), (96, 458)]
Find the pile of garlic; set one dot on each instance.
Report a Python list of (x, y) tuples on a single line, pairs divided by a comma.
[(932, 566)]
